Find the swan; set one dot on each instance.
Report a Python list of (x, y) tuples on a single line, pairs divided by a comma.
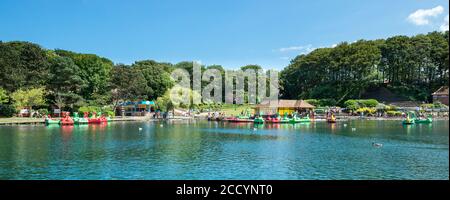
[(140, 129)]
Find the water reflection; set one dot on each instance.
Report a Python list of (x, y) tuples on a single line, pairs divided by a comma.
[(217, 150)]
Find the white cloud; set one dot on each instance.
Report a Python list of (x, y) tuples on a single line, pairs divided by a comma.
[(297, 48), (334, 45), (421, 17), (444, 26), (301, 49)]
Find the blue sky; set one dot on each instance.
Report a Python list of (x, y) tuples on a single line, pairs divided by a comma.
[(231, 33)]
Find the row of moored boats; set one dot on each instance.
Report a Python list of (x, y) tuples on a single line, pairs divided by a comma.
[(76, 119)]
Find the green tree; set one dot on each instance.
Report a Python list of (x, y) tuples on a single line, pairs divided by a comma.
[(157, 78), (28, 98), (23, 64), (4, 98), (95, 70), (127, 83), (65, 84)]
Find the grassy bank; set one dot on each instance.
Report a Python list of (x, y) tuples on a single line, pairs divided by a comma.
[(230, 109)]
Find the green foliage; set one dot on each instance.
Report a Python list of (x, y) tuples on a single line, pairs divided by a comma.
[(368, 102), (23, 64), (391, 108), (7, 110), (366, 110), (157, 78), (28, 98), (354, 105), (393, 113), (4, 98), (128, 84), (108, 111), (432, 105), (419, 64), (351, 104), (89, 109), (43, 111), (94, 70)]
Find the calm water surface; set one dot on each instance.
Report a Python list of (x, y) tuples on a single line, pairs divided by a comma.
[(212, 150)]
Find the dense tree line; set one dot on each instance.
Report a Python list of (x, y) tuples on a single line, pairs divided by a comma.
[(70, 80), (411, 66)]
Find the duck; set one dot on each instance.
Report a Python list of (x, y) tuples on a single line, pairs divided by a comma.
[(353, 129), (140, 129), (374, 144)]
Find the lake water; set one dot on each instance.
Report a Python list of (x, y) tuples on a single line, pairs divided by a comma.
[(218, 150)]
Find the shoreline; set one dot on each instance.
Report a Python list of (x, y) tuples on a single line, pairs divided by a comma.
[(36, 121)]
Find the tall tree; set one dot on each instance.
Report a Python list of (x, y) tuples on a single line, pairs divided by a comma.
[(157, 78), (127, 83)]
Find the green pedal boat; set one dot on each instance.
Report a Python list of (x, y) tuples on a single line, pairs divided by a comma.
[(49, 121), (258, 120), (300, 120), (424, 121)]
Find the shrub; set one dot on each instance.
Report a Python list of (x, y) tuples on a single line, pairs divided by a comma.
[(438, 105), (393, 113), (366, 110), (368, 103), (7, 110), (391, 108), (351, 104), (89, 109), (108, 111), (43, 111)]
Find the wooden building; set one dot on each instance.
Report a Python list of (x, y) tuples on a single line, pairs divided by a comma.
[(283, 106), (441, 95)]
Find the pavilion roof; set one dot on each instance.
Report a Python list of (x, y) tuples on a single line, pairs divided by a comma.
[(285, 103)]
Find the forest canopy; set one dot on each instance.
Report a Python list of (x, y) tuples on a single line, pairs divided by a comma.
[(410, 66)]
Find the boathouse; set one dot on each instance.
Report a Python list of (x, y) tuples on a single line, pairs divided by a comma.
[(441, 95), (140, 108), (283, 106)]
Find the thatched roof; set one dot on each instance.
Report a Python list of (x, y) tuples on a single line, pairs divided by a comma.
[(303, 104), (283, 103), (441, 91)]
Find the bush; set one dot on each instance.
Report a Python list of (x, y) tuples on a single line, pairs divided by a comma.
[(391, 108), (366, 110), (89, 109), (438, 105), (351, 104), (43, 111), (7, 110), (108, 111), (394, 113), (368, 103)]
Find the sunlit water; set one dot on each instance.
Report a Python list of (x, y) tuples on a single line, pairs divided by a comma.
[(215, 150)]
